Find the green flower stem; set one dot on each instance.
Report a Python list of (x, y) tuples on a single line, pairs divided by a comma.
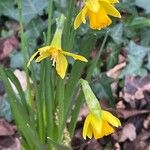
[(75, 75), (50, 9), (39, 112), (80, 99), (75, 113), (60, 101), (93, 65), (68, 29), (48, 86), (23, 50), (49, 103)]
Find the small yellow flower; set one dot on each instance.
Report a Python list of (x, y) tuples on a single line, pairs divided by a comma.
[(55, 52), (98, 122), (100, 127), (58, 57), (97, 11)]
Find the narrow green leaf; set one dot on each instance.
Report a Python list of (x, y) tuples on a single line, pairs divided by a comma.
[(85, 49), (17, 84), (19, 115)]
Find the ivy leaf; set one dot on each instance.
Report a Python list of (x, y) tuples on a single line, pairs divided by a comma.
[(5, 110), (103, 89), (117, 32), (136, 55), (143, 4), (113, 57), (6, 5), (16, 60), (138, 22), (34, 30), (30, 9)]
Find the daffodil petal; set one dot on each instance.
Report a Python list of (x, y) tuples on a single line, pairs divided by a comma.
[(32, 57), (99, 20), (106, 129), (96, 134), (96, 124), (40, 51), (44, 49), (84, 14), (61, 65), (110, 9), (89, 131), (78, 20), (86, 125), (92, 5), (43, 56), (111, 1), (107, 116), (76, 57)]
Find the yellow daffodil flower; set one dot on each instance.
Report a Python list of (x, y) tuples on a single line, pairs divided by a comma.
[(98, 122), (100, 127), (55, 52), (97, 11)]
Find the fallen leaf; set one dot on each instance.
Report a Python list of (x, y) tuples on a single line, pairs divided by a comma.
[(120, 105), (142, 141), (115, 72), (5, 128), (117, 146), (7, 46), (128, 132), (10, 143), (134, 87), (146, 123), (122, 113), (21, 75)]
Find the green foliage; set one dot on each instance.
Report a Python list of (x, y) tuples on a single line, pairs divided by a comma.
[(143, 4), (33, 32), (117, 33), (36, 122), (30, 9), (102, 88), (136, 55), (5, 110), (112, 59), (137, 22), (16, 60)]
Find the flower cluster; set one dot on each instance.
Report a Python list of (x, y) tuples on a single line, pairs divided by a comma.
[(99, 122)]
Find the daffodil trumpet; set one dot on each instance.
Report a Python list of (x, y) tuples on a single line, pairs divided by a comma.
[(99, 122), (97, 11), (55, 52)]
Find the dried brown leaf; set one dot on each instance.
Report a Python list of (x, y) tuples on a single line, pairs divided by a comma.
[(7, 46), (115, 72), (146, 123), (128, 132), (122, 113), (134, 87), (21, 75), (5, 128)]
